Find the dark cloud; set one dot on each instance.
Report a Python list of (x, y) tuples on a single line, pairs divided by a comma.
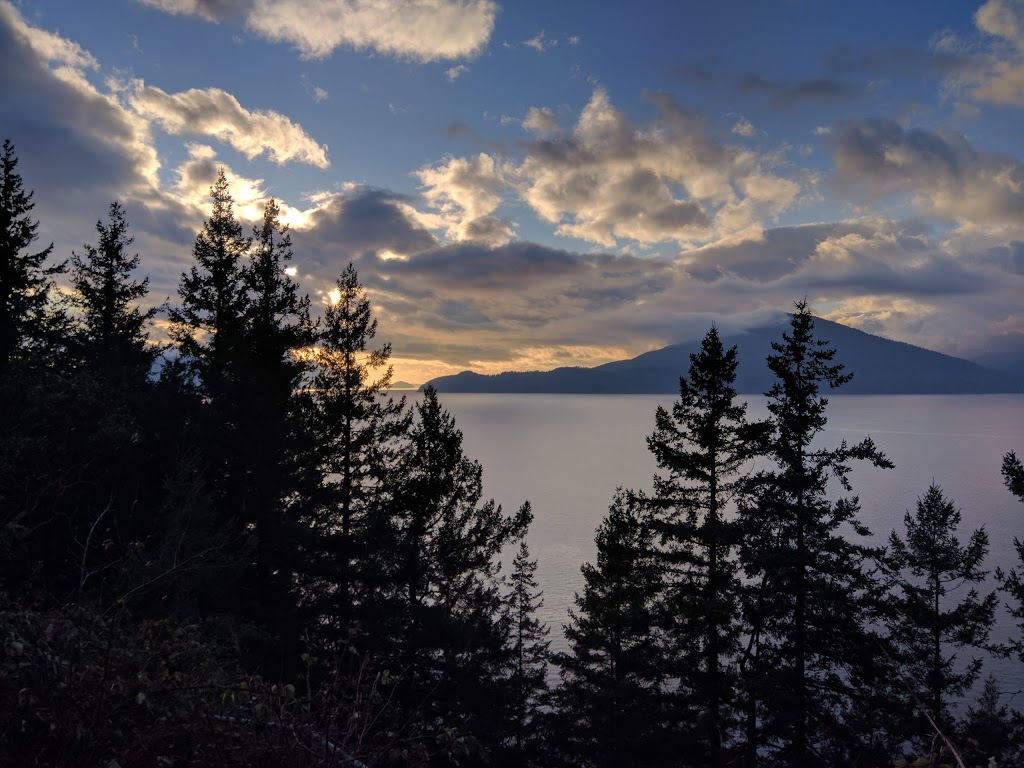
[(359, 225), (780, 93)]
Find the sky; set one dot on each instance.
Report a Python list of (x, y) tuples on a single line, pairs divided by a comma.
[(534, 184)]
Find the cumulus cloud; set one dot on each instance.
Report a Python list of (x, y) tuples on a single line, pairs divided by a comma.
[(540, 121), (991, 69), (941, 172), (467, 191), (672, 181), (213, 112), (426, 30), (540, 42)]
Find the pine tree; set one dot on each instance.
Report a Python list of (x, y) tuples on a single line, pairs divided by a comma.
[(25, 283), (706, 446), (529, 646), (989, 730), (611, 701), (813, 595), (359, 431), (210, 325), (929, 630), (270, 431), (445, 542), (113, 335), (1012, 582)]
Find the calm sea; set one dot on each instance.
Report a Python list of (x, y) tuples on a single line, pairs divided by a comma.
[(566, 454)]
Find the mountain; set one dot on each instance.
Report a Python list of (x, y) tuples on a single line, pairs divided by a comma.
[(879, 366)]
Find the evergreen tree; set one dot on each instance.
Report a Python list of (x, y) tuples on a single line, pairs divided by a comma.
[(445, 543), (210, 325), (611, 700), (989, 730), (25, 282), (929, 630), (358, 434), (813, 598), (270, 430), (1012, 582), (529, 646), (704, 445), (113, 336)]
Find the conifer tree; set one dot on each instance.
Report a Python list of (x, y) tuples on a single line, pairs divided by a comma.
[(25, 282), (359, 432), (706, 447), (1012, 582), (928, 630), (612, 708), (529, 646), (114, 335), (990, 730), (271, 432), (445, 542), (210, 325), (813, 594)]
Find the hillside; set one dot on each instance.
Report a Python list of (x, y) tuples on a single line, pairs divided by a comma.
[(880, 366)]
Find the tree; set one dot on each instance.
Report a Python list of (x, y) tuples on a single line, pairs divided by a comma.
[(445, 542), (358, 433), (704, 445), (812, 595), (25, 283), (928, 629), (210, 325), (989, 730), (612, 700), (113, 334), (1012, 582), (529, 646)]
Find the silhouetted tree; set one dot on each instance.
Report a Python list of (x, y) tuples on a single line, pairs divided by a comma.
[(928, 630), (451, 643), (813, 595), (613, 711), (114, 336), (706, 447), (1012, 582), (358, 434), (527, 677), (25, 282), (989, 730)]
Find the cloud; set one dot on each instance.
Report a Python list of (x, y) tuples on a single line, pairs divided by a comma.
[(540, 121), (210, 10), (744, 127), (454, 73), (216, 113), (425, 30), (611, 180), (467, 191), (540, 43), (941, 172)]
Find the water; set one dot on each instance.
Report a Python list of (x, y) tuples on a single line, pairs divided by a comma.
[(566, 454)]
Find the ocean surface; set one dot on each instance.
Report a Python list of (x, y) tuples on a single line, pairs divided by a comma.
[(566, 454)]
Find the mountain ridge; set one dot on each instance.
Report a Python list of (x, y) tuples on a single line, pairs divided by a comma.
[(879, 366)]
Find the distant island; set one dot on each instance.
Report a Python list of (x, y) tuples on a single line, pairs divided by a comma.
[(403, 385), (880, 367)]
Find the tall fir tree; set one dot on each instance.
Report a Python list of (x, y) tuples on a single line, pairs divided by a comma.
[(813, 596), (612, 702), (114, 334), (210, 325), (25, 281), (928, 630), (359, 430), (1011, 582), (271, 432), (528, 665), (706, 448), (445, 540)]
